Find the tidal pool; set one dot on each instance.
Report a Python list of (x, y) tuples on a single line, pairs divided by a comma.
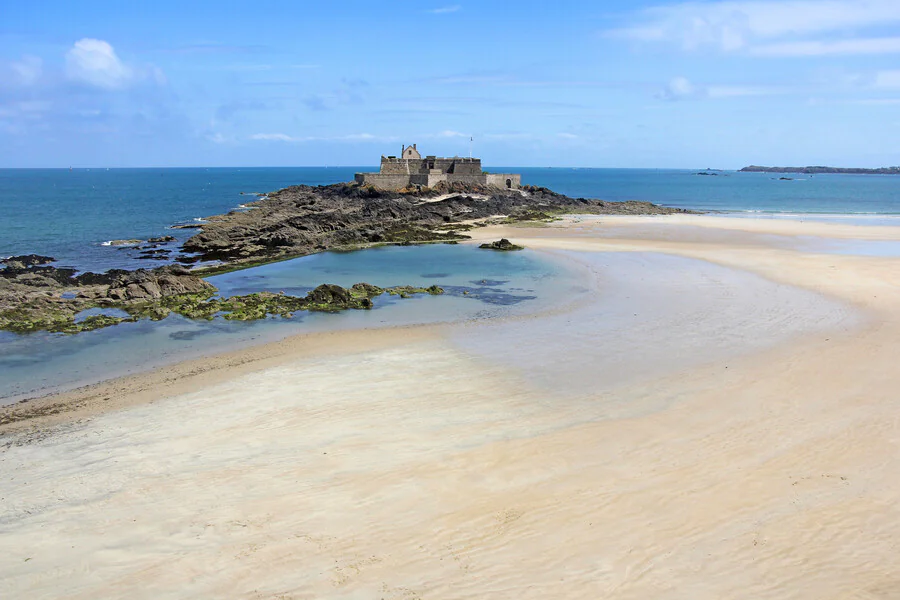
[(479, 284)]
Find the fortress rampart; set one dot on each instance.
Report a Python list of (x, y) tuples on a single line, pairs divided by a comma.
[(414, 171)]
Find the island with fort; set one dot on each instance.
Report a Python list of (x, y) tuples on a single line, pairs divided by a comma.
[(412, 200)]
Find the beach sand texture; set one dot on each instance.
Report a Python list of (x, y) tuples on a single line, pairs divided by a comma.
[(722, 422)]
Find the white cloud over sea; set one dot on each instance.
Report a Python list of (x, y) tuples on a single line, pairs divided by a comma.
[(95, 62)]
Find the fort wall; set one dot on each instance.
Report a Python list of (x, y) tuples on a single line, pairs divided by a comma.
[(389, 181), (398, 173), (430, 164), (503, 180), (383, 180)]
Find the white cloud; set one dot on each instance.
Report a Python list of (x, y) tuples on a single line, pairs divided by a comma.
[(218, 138), (876, 101), (25, 72), (449, 133), (445, 9), (352, 137), (743, 91), (567, 136), (95, 62), (30, 109), (680, 88), (355, 137), (887, 45), (157, 76), (736, 25), (887, 80), (274, 137), (512, 136), (28, 70)]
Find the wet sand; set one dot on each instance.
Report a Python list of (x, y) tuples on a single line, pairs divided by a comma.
[(722, 422)]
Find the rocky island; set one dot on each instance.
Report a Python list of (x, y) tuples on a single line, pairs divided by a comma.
[(292, 222), (301, 219)]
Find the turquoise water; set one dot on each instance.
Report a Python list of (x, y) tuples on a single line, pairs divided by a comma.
[(731, 191), (499, 284), (70, 214)]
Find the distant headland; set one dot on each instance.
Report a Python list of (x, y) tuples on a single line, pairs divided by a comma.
[(818, 170)]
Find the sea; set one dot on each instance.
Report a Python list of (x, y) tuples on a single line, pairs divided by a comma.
[(76, 215)]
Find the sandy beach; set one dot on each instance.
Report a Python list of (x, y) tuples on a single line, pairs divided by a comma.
[(721, 422)]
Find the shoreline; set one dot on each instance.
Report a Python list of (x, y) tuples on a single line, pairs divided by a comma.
[(84, 395), (58, 408), (464, 300), (723, 427)]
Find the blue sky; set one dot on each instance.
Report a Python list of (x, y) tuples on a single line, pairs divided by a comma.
[(594, 84)]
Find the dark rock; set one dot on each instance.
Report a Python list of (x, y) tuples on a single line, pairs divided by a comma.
[(501, 244), (162, 239), (145, 284), (27, 260), (301, 220), (365, 290)]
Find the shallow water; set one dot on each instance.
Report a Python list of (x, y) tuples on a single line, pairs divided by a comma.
[(499, 284), (651, 314), (883, 248)]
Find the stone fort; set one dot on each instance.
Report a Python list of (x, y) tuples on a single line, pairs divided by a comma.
[(411, 170)]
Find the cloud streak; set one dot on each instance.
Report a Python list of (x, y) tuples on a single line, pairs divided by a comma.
[(352, 137), (768, 27), (885, 45), (681, 88), (444, 10)]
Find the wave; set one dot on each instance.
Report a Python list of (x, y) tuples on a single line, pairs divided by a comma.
[(856, 218), (801, 213)]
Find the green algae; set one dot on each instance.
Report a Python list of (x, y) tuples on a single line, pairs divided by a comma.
[(59, 316), (405, 291)]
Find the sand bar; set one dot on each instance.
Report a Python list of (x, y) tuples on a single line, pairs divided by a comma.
[(736, 439)]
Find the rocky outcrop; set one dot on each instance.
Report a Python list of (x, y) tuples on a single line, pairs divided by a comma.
[(18, 263), (302, 220), (146, 284), (502, 244), (34, 295)]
